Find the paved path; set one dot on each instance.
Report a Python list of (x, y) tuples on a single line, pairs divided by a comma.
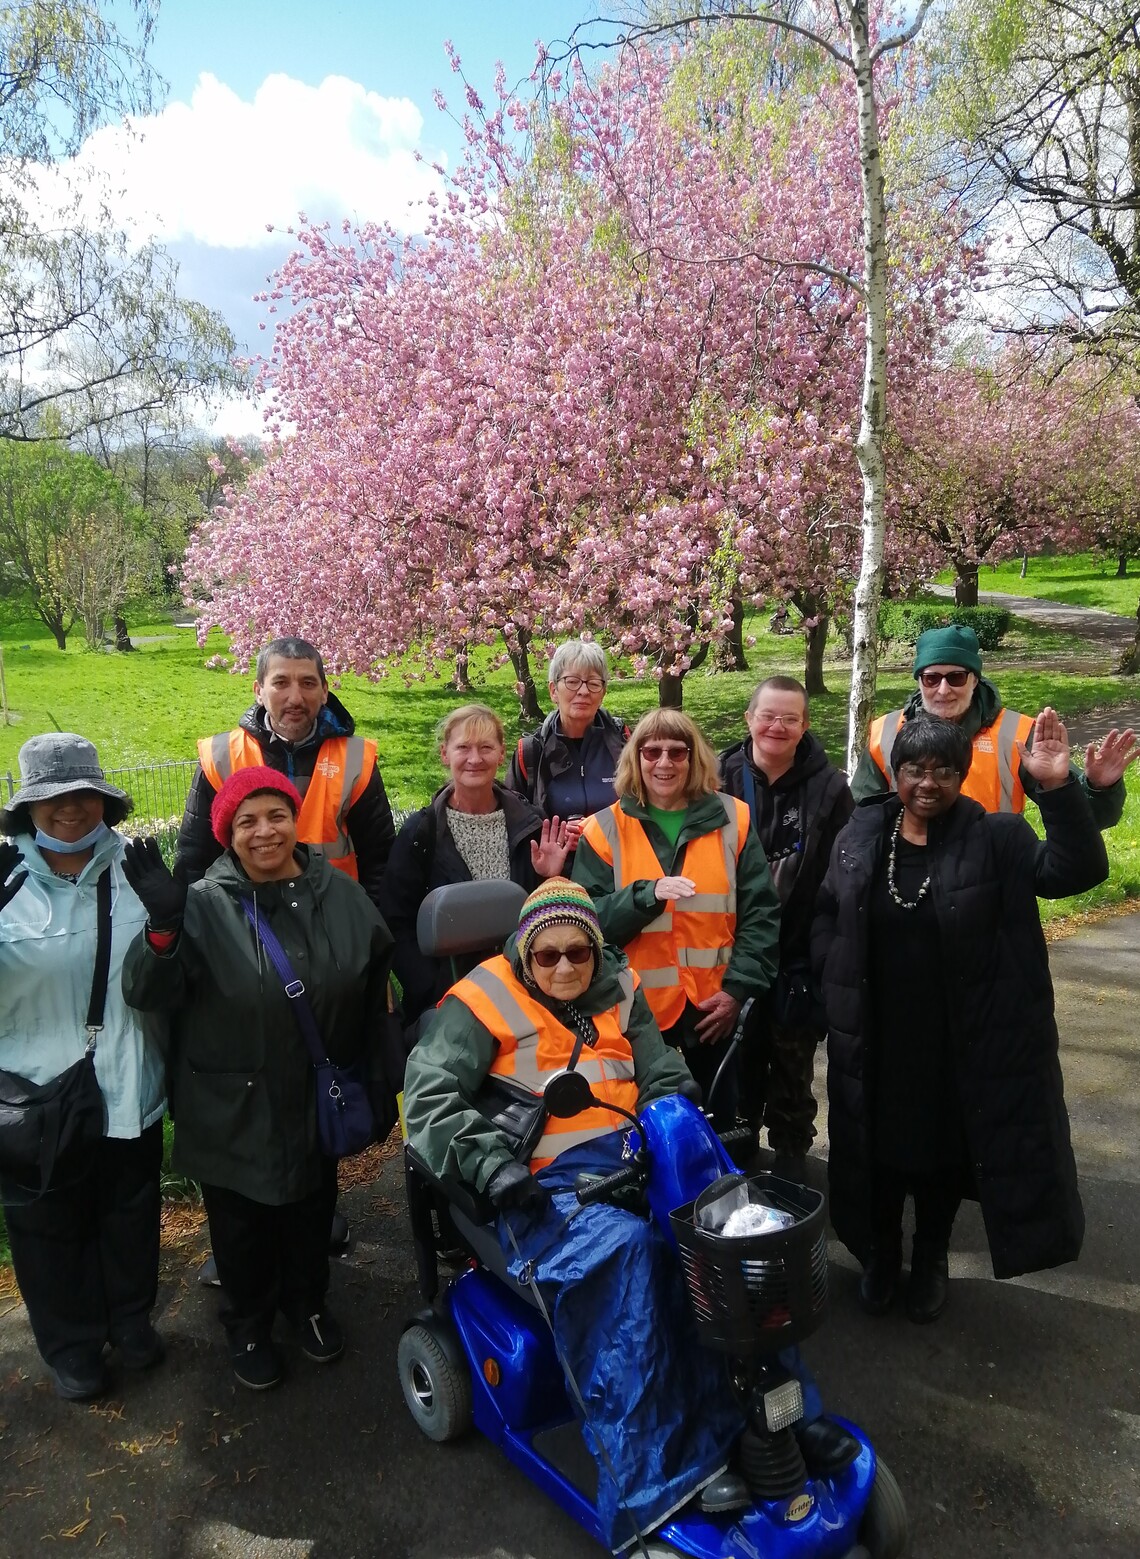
[(1100, 627), (1013, 1425)]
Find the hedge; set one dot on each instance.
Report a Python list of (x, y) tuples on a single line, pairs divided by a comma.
[(903, 621)]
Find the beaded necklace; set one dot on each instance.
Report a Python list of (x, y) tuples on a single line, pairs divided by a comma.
[(892, 885)]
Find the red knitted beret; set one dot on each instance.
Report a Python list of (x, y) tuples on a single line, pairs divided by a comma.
[(242, 784)]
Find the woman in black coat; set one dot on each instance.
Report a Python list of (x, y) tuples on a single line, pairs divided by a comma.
[(943, 1073), (473, 829)]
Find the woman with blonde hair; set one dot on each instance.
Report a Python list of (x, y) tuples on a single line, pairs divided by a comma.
[(473, 829), (680, 881)]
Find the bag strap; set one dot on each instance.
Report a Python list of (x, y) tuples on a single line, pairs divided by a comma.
[(294, 988), (750, 795), (98, 1002)]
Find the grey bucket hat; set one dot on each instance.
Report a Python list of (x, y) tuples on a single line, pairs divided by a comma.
[(57, 762)]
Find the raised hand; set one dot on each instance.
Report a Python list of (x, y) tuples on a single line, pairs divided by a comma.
[(549, 851), (1106, 760), (162, 895), (1047, 761), (674, 888), (10, 857)]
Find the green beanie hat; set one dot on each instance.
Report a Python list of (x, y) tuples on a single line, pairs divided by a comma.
[(952, 646)]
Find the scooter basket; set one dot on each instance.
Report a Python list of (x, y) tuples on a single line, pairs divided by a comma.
[(754, 1293)]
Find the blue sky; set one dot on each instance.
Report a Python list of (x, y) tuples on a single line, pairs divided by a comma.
[(277, 108)]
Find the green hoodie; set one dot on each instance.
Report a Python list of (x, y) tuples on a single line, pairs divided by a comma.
[(625, 912), (241, 1080), (450, 1061), (1107, 805)]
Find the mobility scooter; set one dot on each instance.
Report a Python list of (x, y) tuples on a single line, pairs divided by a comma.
[(482, 1352)]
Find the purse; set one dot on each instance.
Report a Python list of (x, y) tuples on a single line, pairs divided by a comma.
[(49, 1131), (345, 1123)]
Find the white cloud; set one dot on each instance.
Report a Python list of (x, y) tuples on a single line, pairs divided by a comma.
[(219, 170)]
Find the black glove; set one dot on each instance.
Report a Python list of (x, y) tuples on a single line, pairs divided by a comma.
[(162, 895), (513, 1185), (9, 857)]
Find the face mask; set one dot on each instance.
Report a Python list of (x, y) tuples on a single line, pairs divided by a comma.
[(71, 846)]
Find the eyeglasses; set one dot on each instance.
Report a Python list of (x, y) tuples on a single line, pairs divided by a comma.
[(551, 957), (653, 752), (941, 773), (785, 722), (577, 684), (933, 679)]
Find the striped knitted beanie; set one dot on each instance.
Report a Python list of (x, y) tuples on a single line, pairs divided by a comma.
[(557, 902)]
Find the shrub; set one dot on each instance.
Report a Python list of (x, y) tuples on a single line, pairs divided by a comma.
[(903, 621)]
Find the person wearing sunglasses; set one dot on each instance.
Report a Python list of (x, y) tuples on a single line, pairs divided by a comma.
[(798, 801), (943, 1075), (566, 767), (680, 880), (948, 670), (662, 1423)]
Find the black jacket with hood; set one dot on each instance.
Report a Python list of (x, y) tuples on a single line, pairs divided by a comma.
[(804, 811), (986, 872), (370, 825)]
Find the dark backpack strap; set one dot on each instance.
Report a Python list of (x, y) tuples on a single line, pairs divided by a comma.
[(749, 786), (98, 1002)]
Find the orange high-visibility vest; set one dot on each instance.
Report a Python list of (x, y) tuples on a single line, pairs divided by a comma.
[(344, 767), (683, 953), (994, 779), (532, 1047)]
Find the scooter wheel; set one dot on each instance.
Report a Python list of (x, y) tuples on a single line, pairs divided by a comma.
[(436, 1388), (883, 1530)]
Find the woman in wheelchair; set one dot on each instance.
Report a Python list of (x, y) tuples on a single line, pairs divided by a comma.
[(660, 1418)]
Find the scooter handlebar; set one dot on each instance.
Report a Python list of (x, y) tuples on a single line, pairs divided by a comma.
[(631, 1174)]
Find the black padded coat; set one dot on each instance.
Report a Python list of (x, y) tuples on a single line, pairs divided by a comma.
[(993, 975)]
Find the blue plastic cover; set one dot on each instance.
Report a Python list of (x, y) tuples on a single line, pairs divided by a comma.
[(661, 1417)]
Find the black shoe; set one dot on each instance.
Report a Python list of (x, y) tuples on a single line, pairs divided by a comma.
[(257, 1365), (929, 1286), (339, 1235), (728, 1492), (79, 1375), (880, 1281), (826, 1447), (139, 1346), (321, 1338)]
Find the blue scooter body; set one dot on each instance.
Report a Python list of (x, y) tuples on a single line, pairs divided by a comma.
[(520, 1392)]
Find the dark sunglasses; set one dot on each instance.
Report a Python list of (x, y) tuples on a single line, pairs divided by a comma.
[(653, 752), (551, 957), (933, 679)]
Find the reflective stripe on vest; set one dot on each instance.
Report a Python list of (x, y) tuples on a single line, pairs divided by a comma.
[(682, 953), (339, 779), (533, 1047), (994, 779)]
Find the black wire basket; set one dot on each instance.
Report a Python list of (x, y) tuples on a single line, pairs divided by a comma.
[(754, 1293)]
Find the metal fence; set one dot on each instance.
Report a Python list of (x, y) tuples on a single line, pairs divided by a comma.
[(159, 790)]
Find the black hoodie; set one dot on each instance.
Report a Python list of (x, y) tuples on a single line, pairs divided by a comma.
[(797, 819)]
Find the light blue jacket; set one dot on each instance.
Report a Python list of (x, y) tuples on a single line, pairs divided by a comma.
[(47, 959)]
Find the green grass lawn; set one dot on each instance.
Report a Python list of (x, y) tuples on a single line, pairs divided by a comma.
[(1082, 579)]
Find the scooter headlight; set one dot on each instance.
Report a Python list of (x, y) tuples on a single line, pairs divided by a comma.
[(783, 1405)]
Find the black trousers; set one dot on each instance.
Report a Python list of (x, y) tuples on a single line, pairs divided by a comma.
[(86, 1256), (704, 1062), (270, 1258), (777, 1068), (937, 1197)]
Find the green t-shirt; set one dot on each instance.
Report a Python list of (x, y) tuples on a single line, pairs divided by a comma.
[(670, 823)]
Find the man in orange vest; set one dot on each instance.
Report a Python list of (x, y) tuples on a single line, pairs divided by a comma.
[(948, 670), (301, 729)]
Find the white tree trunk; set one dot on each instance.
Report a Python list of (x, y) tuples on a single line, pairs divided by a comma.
[(869, 446)]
